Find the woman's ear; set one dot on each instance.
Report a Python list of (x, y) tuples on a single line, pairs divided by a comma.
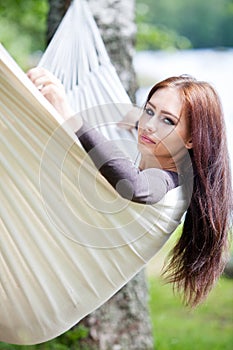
[(189, 144)]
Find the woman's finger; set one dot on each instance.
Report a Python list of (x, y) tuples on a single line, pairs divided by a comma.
[(45, 80), (36, 72), (39, 73)]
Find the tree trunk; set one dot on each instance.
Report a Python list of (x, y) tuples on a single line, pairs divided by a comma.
[(115, 19), (123, 322), (57, 9)]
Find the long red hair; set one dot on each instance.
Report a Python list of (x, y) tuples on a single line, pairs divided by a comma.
[(199, 256)]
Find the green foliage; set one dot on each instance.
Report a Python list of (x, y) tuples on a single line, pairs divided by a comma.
[(22, 27), (152, 37), (70, 339), (67, 341), (202, 23)]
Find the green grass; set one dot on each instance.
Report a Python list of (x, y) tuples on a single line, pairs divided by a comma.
[(209, 326)]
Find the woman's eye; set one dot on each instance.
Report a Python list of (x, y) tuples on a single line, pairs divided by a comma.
[(168, 121), (150, 112)]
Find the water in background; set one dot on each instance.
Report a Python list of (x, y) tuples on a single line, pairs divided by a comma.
[(214, 66)]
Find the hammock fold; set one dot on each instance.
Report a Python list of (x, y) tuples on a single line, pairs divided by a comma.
[(68, 240)]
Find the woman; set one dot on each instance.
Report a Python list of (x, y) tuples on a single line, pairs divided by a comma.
[(181, 117)]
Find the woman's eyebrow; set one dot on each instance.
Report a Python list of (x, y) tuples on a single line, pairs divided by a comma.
[(163, 111)]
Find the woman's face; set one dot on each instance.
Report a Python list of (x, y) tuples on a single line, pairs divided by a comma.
[(163, 132)]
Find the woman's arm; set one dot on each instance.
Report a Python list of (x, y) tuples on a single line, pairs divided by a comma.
[(147, 186)]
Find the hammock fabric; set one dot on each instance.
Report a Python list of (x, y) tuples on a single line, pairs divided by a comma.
[(68, 240)]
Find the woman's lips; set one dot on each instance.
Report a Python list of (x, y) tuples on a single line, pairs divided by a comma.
[(146, 139)]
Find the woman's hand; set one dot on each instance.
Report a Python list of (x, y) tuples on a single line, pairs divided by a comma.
[(52, 89)]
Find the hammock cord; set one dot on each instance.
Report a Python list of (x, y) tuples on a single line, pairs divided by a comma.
[(78, 57)]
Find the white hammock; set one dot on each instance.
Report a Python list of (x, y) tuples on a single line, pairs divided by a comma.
[(83, 65), (68, 241)]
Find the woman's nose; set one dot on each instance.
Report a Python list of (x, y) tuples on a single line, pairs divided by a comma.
[(150, 125)]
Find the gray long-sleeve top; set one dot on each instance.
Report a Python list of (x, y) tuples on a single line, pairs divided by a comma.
[(142, 186)]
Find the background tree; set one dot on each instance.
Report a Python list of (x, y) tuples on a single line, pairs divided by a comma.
[(123, 322)]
